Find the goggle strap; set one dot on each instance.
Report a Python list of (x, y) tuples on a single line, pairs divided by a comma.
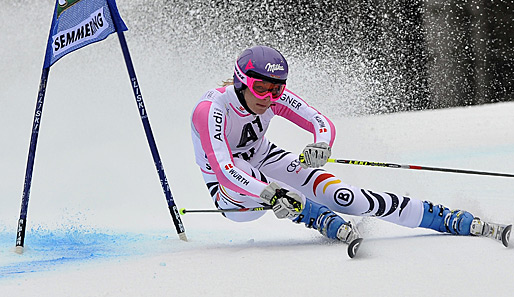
[(241, 75)]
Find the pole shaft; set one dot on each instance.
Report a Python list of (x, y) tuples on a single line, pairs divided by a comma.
[(263, 208), (151, 140), (416, 167), (22, 222)]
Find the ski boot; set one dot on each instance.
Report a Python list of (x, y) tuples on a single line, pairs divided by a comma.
[(498, 232), (460, 222), (331, 225), (440, 218)]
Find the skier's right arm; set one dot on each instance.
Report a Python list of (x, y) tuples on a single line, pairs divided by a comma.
[(209, 121)]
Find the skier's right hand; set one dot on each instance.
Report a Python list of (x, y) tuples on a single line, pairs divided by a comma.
[(285, 204)]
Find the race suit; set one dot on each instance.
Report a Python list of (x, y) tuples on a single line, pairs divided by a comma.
[(237, 160)]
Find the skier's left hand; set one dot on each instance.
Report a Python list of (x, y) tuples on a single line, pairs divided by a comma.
[(315, 155)]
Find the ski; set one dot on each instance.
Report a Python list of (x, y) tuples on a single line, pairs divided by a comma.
[(498, 232), (353, 247), (506, 235)]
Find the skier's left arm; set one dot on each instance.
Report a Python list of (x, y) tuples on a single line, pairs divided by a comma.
[(296, 110)]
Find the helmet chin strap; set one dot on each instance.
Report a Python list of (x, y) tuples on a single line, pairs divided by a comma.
[(241, 98)]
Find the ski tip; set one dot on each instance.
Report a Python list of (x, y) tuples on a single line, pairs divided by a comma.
[(506, 235), (353, 247)]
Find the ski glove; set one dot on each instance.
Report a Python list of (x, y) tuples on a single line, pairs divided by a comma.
[(285, 204), (315, 155)]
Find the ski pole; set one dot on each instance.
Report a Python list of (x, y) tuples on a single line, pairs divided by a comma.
[(172, 206), (416, 167), (183, 211)]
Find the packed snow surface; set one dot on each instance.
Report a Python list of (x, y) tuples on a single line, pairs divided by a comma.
[(98, 223)]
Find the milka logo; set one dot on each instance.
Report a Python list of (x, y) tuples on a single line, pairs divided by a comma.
[(273, 67)]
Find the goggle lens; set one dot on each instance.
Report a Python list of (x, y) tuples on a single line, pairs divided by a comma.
[(262, 88)]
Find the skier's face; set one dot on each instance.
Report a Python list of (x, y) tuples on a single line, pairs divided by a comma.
[(258, 106)]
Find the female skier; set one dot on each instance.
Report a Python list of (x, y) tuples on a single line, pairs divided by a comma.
[(243, 169)]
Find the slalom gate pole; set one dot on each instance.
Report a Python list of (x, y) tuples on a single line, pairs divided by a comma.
[(415, 167), (22, 222), (183, 211), (149, 135)]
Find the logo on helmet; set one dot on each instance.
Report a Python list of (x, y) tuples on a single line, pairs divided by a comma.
[(273, 67), (249, 65)]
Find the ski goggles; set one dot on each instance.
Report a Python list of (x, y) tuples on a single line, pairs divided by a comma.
[(261, 88)]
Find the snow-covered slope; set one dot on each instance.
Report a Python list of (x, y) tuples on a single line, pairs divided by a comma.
[(98, 221)]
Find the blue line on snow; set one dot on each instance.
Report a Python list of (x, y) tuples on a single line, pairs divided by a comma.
[(48, 249)]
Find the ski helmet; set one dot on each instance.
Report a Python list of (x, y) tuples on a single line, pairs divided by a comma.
[(262, 62)]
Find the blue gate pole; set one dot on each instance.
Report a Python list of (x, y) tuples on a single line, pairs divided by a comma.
[(148, 131), (22, 222)]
